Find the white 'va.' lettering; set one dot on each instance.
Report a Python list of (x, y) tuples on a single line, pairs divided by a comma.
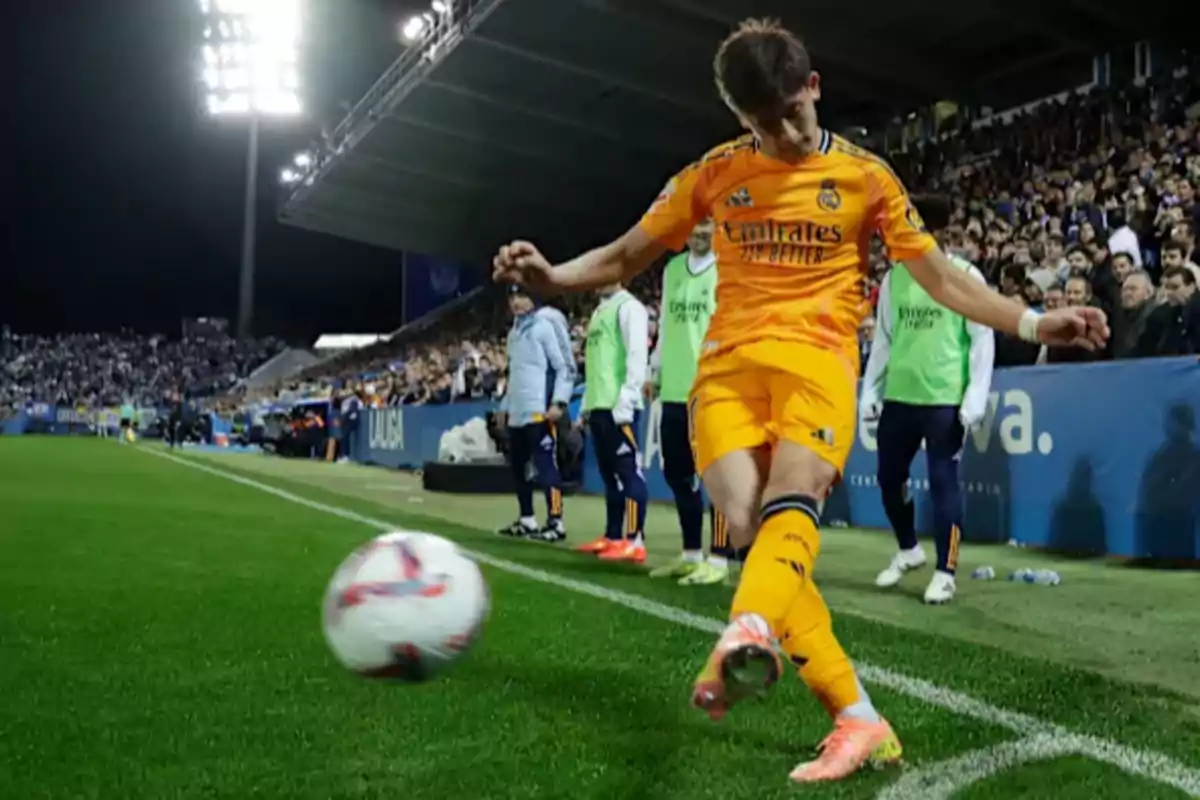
[(1017, 436)]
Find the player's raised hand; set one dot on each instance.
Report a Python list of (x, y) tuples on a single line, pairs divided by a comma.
[(523, 264), (1074, 326)]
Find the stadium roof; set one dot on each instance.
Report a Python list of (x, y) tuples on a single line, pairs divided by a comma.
[(558, 120)]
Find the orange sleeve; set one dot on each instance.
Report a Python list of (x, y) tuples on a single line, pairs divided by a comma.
[(897, 221), (678, 208)]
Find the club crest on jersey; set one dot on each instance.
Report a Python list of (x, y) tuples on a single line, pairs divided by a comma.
[(740, 199), (828, 198)]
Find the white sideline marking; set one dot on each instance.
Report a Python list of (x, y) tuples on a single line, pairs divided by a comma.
[(1035, 732), (941, 780)]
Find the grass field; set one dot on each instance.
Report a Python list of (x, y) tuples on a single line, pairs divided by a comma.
[(160, 638)]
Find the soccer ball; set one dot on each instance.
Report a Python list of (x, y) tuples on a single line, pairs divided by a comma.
[(403, 606)]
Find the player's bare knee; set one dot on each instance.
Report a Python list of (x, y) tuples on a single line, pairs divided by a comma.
[(734, 485), (797, 470)]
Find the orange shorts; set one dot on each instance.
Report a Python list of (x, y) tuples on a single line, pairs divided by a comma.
[(765, 391)]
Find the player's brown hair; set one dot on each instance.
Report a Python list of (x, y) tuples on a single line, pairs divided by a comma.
[(759, 68)]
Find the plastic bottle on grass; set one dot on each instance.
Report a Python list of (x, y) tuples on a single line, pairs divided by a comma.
[(1041, 577)]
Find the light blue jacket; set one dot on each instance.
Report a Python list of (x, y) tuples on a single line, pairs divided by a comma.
[(538, 373), (562, 334)]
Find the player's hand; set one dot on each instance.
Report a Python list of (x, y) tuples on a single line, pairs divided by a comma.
[(1074, 326), (649, 390), (521, 263), (501, 419), (970, 418), (554, 413)]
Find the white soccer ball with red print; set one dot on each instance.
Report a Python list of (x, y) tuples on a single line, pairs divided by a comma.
[(404, 606)]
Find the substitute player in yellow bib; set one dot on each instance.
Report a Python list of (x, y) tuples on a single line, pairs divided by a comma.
[(773, 406)]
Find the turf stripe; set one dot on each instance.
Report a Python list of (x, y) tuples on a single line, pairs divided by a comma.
[(1143, 763)]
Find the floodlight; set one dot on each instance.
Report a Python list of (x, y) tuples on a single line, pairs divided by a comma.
[(249, 67), (441, 7), (303, 160), (249, 56), (414, 28)]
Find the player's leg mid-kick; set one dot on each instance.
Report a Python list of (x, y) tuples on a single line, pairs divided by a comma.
[(770, 442)]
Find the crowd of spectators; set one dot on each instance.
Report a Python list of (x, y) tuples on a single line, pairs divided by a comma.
[(103, 370), (1090, 199), (462, 357)]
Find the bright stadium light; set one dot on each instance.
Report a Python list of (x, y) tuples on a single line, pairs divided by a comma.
[(249, 67), (289, 176), (303, 160), (249, 56), (414, 28), (440, 7)]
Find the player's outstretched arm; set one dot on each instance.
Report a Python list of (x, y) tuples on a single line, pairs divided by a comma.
[(1076, 326), (616, 262)]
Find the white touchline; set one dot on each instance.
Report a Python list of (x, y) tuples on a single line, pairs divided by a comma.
[(943, 779), (1144, 763)]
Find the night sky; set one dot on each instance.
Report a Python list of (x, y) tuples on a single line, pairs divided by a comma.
[(125, 199)]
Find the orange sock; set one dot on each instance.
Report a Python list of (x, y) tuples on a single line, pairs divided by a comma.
[(807, 638), (780, 562)]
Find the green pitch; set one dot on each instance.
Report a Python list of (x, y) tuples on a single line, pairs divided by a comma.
[(160, 638)]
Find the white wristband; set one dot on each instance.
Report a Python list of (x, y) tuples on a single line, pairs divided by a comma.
[(1027, 328)]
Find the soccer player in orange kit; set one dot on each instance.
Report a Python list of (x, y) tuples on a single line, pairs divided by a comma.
[(773, 406)]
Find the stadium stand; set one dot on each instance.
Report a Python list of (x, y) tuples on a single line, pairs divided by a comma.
[(1046, 201), (514, 120), (96, 369)]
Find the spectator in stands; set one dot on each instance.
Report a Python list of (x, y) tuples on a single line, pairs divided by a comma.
[(1012, 280), (1078, 292), (1034, 297), (1175, 254), (1184, 232), (1186, 192), (1129, 322), (1079, 262), (1173, 329), (1110, 283), (1055, 297)]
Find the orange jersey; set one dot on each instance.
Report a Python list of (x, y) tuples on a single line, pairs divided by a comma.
[(791, 239)]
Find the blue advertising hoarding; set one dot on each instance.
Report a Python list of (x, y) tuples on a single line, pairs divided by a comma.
[(1101, 458)]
